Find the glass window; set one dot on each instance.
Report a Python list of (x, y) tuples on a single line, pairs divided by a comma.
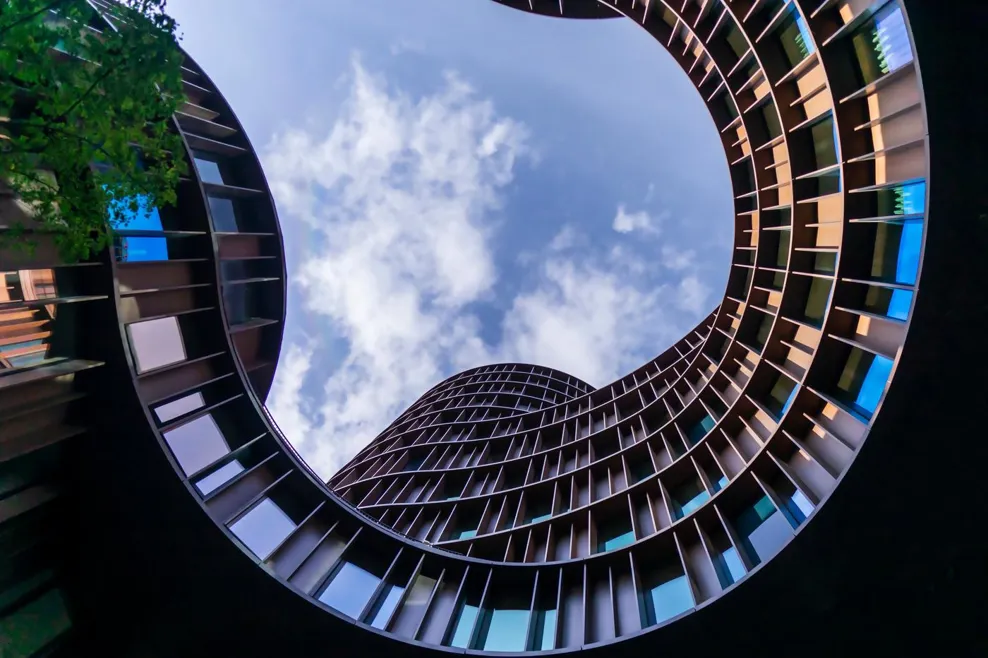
[(209, 169), (464, 625), (781, 396), (197, 444), (641, 469), (503, 630), (735, 39), (824, 134), (771, 118), (909, 199), (224, 214), (687, 497), (219, 477), (24, 344), (614, 533), (414, 463), (263, 528), (763, 331), (466, 524), (179, 407), (350, 589), (897, 248), (729, 567), (544, 630), (700, 430), (141, 217), (717, 479), (156, 343), (538, 511), (825, 262), (795, 39), (761, 530), (238, 302), (863, 380), (888, 302), (799, 505), (666, 594), (387, 601), (26, 359), (882, 45), (817, 300)]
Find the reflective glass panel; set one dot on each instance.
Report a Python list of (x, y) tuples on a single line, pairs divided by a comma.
[(263, 528), (350, 589)]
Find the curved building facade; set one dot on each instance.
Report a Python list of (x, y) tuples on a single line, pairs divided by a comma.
[(781, 481)]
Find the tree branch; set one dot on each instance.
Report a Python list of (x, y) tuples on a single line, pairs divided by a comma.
[(32, 16), (100, 78)]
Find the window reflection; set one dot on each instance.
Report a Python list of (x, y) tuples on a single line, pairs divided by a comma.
[(263, 528), (156, 343), (197, 444), (666, 594), (208, 168), (350, 589), (761, 530)]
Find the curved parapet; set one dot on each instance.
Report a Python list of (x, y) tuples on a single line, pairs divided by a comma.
[(719, 495)]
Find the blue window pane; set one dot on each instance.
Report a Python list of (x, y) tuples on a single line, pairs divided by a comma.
[(464, 625), (721, 483), (910, 199), (146, 218), (617, 542), (733, 563), (263, 528), (26, 359), (699, 430), (614, 533), (891, 39), (910, 243), (694, 503), (467, 534), (798, 506), (219, 477), (761, 530), (792, 396), (24, 343), (667, 599), (899, 304), (350, 590), (387, 602), (544, 637), (806, 41), (540, 517), (224, 215), (874, 383), (209, 170), (142, 249), (729, 567), (507, 630), (688, 497)]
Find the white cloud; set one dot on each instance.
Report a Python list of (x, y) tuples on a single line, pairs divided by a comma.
[(589, 320), (397, 202), (403, 46), (678, 259), (567, 238), (398, 196), (625, 222)]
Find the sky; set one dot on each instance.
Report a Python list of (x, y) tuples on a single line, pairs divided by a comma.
[(458, 184)]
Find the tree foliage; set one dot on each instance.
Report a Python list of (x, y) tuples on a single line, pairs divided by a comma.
[(85, 108)]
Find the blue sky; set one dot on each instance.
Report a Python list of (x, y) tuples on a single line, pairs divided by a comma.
[(461, 183)]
